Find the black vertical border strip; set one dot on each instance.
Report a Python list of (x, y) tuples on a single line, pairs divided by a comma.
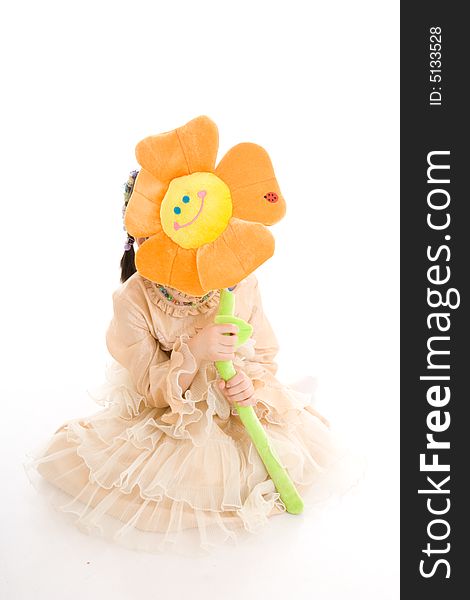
[(424, 129)]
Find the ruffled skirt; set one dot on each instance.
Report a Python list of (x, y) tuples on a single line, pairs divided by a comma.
[(136, 475)]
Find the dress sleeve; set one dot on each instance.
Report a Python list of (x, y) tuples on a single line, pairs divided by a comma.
[(154, 372), (275, 402), (261, 362)]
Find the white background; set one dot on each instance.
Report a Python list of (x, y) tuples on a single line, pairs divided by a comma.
[(315, 83)]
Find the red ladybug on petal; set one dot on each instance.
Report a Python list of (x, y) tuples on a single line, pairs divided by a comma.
[(271, 197)]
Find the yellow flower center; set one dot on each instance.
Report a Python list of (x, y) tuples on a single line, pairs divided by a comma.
[(196, 209)]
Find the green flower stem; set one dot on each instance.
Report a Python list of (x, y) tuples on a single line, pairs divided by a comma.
[(283, 483)]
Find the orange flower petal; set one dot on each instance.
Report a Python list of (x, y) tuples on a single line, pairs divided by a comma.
[(248, 172), (241, 248), (142, 218), (161, 260), (185, 150), (199, 140)]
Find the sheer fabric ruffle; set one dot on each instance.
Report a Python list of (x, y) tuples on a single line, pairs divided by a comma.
[(185, 476)]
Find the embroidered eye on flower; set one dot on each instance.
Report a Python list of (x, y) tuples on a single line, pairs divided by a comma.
[(205, 224)]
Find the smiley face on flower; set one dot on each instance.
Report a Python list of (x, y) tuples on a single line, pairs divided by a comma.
[(205, 224), (196, 209)]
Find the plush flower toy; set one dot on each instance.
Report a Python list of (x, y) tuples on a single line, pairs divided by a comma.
[(206, 230)]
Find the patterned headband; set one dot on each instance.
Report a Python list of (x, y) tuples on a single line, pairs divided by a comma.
[(128, 187)]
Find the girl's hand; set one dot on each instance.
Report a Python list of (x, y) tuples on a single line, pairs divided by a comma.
[(238, 389), (211, 344)]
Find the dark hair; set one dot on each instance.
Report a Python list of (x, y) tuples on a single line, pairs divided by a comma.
[(128, 261), (128, 258)]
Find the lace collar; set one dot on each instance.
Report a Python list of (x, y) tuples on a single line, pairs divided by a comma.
[(177, 310)]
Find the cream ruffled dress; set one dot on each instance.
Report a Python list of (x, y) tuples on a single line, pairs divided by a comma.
[(158, 469)]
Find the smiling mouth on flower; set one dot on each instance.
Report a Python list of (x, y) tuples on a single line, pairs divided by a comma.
[(202, 195)]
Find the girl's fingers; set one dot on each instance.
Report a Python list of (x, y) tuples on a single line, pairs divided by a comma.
[(224, 350), (227, 341), (240, 397), (239, 387), (227, 328), (240, 376), (249, 402), (225, 356)]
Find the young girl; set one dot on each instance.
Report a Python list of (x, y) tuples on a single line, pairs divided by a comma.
[(168, 460)]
